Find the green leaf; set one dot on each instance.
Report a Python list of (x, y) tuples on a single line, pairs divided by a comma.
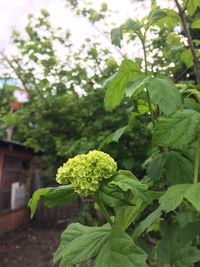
[(155, 15), (179, 169), (148, 221), (176, 250), (193, 196), (131, 25), (192, 6), (155, 166), (136, 85), (173, 197), (126, 181), (175, 194), (113, 137), (177, 130), (52, 197), (112, 196), (32, 204), (125, 215), (196, 24), (176, 167), (163, 18), (164, 93), (116, 86), (80, 243), (120, 250), (186, 57), (116, 36)]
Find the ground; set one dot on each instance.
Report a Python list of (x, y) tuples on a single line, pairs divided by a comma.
[(29, 246)]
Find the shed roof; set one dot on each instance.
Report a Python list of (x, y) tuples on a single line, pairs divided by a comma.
[(13, 145)]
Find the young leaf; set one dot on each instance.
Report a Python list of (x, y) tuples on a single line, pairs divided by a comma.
[(177, 130), (116, 36), (163, 18), (164, 93), (80, 243), (136, 85), (112, 196), (32, 204), (120, 250), (113, 137), (116, 86), (128, 182), (155, 15), (52, 197), (131, 26)]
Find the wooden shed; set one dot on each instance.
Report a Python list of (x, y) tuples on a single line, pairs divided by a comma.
[(16, 166)]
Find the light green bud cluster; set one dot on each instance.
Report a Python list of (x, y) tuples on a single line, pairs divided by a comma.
[(86, 171)]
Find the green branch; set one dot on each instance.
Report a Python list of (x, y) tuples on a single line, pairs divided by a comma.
[(146, 72), (103, 209)]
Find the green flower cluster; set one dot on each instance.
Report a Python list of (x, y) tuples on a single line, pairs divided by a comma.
[(86, 171)]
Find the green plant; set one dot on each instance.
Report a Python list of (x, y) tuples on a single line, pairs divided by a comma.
[(154, 221)]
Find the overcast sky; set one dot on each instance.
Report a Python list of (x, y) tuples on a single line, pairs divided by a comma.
[(13, 13)]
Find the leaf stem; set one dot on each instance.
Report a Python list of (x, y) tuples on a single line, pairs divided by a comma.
[(197, 158), (103, 209), (146, 72)]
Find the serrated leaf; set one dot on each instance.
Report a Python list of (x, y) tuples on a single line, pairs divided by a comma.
[(116, 36), (128, 182), (177, 130), (116, 86), (173, 197), (113, 137), (193, 196), (80, 243), (163, 18), (120, 250), (164, 93), (179, 169), (176, 167), (175, 194), (136, 85), (155, 166), (111, 195), (131, 25), (174, 249), (52, 197), (155, 15)]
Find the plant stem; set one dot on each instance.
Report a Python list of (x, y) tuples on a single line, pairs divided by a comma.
[(146, 72), (197, 158), (103, 209)]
